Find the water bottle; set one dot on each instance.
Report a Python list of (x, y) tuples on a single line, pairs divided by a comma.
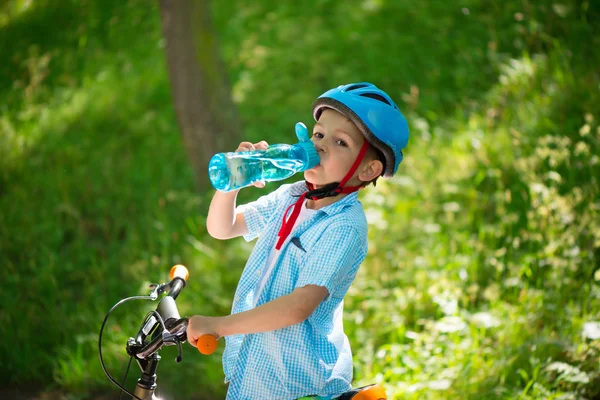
[(235, 170)]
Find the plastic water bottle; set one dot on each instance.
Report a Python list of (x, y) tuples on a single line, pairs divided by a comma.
[(235, 170)]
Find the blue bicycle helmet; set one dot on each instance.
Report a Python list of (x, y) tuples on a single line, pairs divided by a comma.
[(375, 114)]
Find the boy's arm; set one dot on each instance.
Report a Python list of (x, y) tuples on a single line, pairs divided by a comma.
[(277, 314), (222, 222)]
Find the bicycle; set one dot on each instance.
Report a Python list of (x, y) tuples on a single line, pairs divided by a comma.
[(165, 327)]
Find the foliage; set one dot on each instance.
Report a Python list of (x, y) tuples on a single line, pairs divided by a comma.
[(482, 277)]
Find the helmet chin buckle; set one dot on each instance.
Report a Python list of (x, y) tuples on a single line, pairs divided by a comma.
[(330, 190)]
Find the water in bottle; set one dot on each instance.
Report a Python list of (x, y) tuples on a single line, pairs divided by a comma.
[(234, 170)]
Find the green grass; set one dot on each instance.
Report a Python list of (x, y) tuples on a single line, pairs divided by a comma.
[(483, 262), (507, 281)]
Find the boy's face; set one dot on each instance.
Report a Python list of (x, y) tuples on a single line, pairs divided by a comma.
[(338, 142)]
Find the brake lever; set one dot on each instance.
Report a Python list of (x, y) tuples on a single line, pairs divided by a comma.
[(176, 338)]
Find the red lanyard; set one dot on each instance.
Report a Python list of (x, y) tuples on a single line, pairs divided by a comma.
[(288, 225)]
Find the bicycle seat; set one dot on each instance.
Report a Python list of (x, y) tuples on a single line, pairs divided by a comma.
[(370, 392)]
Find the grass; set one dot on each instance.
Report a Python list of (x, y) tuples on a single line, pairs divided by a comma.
[(483, 265)]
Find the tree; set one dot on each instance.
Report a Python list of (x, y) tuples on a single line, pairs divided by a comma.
[(199, 86)]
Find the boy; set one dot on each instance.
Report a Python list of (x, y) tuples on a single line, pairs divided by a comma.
[(285, 337)]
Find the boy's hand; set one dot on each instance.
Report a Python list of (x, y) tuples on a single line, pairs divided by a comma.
[(199, 325), (247, 146)]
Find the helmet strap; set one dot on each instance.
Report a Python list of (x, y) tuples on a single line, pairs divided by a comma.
[(361, 155), (329, 190)]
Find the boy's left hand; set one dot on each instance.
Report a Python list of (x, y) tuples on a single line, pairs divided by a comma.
[(199, 325)]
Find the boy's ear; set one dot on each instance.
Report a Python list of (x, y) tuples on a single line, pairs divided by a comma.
[(371, 171)]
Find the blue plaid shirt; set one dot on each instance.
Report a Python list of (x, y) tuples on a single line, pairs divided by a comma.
[(312, 357)]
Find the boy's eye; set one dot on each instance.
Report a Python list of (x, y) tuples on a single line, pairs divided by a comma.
[(341, 143), (318, 135)]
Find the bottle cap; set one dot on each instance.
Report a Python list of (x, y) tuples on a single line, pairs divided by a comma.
[(306, 145)]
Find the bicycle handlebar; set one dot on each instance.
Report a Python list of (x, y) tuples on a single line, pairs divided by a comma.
[(181, 272), (207, 344), (175, 326), (160, 327)]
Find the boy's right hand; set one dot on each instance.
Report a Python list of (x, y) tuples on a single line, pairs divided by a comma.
[(247, 146)]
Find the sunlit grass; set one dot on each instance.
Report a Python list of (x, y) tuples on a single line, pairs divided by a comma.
[(495, 300)]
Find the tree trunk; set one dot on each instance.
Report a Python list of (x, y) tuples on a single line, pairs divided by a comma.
[(207, 116)]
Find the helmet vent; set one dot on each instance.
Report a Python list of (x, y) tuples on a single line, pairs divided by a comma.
[(357, 86), (376, 97)]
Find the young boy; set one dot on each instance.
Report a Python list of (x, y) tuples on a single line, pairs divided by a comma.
[(285, 337)]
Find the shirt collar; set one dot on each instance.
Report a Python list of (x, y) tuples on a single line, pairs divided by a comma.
[(300, 187)]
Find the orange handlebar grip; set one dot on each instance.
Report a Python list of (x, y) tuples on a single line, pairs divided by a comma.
[(179, 271), (207, 344), (373, 392)]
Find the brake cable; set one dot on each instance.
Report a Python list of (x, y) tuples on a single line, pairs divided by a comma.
[(152, 297)]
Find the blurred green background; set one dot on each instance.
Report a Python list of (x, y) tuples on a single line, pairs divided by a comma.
[(482, 279)]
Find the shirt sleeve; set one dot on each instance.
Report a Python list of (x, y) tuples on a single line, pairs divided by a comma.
[(257, 213), (334, 260)]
